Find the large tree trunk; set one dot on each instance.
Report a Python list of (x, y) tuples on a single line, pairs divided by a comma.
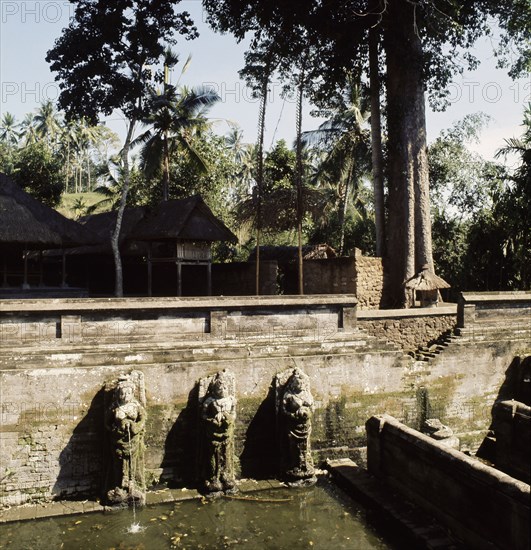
[(376, 142), (409, 235)]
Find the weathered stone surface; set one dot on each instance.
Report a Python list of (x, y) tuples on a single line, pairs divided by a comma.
[(480, 504), (52, 406)]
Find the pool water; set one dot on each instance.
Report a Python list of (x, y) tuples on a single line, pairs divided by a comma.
[(320, 517)]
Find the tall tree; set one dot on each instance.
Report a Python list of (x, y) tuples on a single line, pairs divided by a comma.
[(47, 123), (9, 129), (104, 61), (420, 40), (345, 140), (175, 117)]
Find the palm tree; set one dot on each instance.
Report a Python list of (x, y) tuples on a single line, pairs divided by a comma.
[(346, 145), (8, 129), (69, 141), (47, 123), (176, 118), (243, 155), (28, 131)]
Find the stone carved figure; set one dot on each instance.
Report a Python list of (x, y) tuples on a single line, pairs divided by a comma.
[(125, 419), (217, 412), (294, 423)]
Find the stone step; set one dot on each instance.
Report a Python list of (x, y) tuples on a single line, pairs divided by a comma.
[(134, 355), (411, 526)]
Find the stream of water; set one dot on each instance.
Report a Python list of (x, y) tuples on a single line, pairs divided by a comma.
[(320, 517)]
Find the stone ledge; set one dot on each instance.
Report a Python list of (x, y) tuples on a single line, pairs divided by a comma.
[(506, 296), (161, 496), (207, 302), (450, 309)]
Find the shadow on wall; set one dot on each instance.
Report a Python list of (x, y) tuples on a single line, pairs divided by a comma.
[(81, 461), (517, 387), (180, 447), (259, 459)]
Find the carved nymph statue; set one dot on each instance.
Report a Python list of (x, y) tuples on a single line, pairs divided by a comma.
[(125, 418), (294, 424), (217, 416)]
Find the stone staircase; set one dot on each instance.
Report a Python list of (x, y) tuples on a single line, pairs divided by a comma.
[(426, 353)]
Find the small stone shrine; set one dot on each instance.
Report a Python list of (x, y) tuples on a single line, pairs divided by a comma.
[(294, 409), (125, 418), (217, 416)]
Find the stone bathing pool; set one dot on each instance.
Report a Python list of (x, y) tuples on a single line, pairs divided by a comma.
[(319, 517)]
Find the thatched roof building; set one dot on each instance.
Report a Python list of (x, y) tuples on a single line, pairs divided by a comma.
[(27, 223), (184, 219), (175, 232)]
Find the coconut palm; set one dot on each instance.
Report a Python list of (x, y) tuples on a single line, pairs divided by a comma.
[(345, 141), (176, 118), (9, 129), (27, 129), (47, 123)]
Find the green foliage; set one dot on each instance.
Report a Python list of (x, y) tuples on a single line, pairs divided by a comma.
[(105, 57), (38, 171), (279, 168), (214, 183), (462, 182), (6, 158), (481, 229), (330, 37)]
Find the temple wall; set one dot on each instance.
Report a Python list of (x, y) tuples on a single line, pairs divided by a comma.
[(57, 355)]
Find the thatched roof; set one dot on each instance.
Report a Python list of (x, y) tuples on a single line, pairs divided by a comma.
[(426, 280), (186, 219), (103, 226), (286, 254), (24, 221)]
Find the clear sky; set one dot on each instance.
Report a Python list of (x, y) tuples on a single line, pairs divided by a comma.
[(28, 29)]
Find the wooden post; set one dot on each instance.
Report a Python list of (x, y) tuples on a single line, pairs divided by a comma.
[(63, 275), (209, 279), (150, 271), (4, 278), (179, 279), (41, 270), (25, 284)]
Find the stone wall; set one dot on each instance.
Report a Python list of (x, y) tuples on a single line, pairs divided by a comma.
[(409, 329), (369, 280), (483, 507), (331, 276), (511, 422), (57, 355), (239, 278), (358, 274)]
